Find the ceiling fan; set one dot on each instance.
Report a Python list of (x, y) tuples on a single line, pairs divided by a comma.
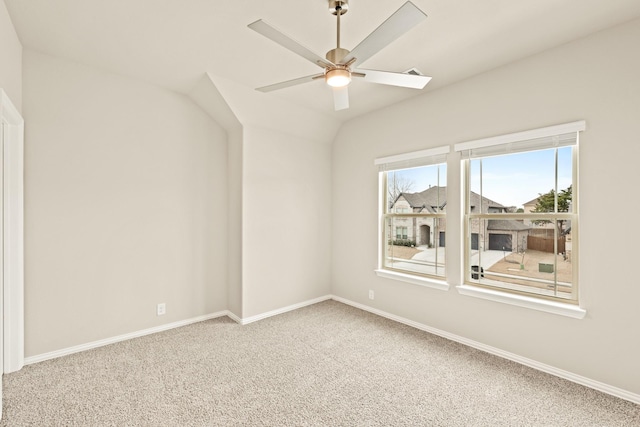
[(339, 64)]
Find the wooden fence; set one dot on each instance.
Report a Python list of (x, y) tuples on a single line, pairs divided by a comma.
[(545, 245), (547, 233)]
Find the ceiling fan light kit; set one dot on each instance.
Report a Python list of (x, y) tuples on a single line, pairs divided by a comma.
[(338, 77), (340, 64)]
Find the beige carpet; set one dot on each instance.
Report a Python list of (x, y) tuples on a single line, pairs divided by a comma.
[(324, 365)]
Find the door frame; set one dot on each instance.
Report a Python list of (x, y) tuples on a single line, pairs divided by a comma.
[(13, 243)]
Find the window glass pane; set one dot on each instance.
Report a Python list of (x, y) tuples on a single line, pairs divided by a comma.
[(523, 254), (565, 179), (474, 181), (416, 182), (511, 180), (414, 234), (530, 261), (475, 227), (564, 167), (415, 244)]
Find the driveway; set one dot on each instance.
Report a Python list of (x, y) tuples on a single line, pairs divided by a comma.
[(488, 258)]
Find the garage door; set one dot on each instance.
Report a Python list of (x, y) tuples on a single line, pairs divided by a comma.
[(500, 242), (474, 241)]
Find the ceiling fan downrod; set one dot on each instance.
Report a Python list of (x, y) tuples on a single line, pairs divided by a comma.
[(339, 75), (338, 8)]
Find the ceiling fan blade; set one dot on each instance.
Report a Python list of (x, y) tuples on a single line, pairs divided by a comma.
[(288, 83), (405, 18), (341, 98), (285, 41), (413, 81)]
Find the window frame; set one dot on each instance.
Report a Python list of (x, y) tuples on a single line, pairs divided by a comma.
[(428, 157), (511, 144)]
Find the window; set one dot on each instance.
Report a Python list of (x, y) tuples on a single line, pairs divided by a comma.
[(521, 213), (401, 233), (413, 196)]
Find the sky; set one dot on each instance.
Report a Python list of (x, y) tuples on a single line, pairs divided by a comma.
[(510, 180)]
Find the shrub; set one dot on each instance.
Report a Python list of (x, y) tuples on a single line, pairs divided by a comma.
[(404, 242)]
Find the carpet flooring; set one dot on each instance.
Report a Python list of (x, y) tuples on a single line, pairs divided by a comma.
[(328, 364)]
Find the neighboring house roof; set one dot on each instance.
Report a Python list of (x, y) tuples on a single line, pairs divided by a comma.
[(415, 200), (474, 200), (532, 202), (432, 199), (435, 198), (507, 225)]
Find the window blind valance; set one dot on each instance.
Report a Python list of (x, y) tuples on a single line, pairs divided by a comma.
[(431, 156), (537, 139)]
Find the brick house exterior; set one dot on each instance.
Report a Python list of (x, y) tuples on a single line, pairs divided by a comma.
[(507, 235), (424, 231)]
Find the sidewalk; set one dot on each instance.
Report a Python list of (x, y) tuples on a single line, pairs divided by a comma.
[(488, 258)]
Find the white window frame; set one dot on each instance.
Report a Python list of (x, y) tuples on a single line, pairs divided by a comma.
[(536, 139), (12, 306), (428, 157)]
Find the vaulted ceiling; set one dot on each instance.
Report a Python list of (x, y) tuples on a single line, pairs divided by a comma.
[(173, 43)]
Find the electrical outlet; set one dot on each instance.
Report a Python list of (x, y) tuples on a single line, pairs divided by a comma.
[(161, 309), (371, 294)]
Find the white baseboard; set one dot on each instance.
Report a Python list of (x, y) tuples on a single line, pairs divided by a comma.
[(112, 340), (234, 317), (587, 382), (247, 320), (596, 385)]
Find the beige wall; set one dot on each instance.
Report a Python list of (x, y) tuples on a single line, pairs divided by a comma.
[(10, 59), (235, 228), (286, 220), (279, 201), (125, 201), (595, 79), (206, 95)]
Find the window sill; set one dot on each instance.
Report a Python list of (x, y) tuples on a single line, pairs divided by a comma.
[(415, 280), (562, 309)]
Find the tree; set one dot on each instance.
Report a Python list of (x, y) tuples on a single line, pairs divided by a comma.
[(546, 203), (396, 184)]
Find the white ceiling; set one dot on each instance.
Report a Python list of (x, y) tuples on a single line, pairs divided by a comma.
[(173, 43)]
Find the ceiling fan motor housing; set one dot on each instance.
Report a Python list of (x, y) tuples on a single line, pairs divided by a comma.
[(338, 5), (336, 55)]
